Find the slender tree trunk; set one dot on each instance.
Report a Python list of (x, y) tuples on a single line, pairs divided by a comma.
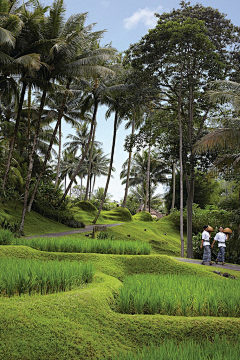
[(94, 180), (181, 164), (81, 189), (11, 148), (60, 114), (90, 160), (128, 170), (31, 160), (174, 186), (59, 151), (84, 154), (90, 188), (110, 167), (190, 181), (148, 177), (149, 194), (29, 110)]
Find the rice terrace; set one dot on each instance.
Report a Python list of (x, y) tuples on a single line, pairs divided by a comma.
[(119, 180)]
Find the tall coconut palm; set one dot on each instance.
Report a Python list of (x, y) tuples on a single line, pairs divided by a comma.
[(19, 59), (113, 98)]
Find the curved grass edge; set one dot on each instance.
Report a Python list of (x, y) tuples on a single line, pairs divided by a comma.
[(81, 322)]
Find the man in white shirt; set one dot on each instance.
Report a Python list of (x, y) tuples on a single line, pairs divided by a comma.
[(206, 246), (221, 238)]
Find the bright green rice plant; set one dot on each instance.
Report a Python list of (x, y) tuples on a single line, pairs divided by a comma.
[(72, 244), (217, 349), (19, 276), (182, 295)]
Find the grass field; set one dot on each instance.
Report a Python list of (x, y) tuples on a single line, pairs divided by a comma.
[(83, 323)]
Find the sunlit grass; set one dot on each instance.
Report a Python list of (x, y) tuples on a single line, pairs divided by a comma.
[(18, 276), (74, 245), (217, 349), (179, 295)]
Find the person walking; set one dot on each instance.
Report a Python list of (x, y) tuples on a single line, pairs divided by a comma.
[(206, 246), (221, 238)]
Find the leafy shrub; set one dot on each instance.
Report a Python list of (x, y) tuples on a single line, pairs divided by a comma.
[(201, 217), (143, 216), (59, 214), (6, 237), (5, 224)]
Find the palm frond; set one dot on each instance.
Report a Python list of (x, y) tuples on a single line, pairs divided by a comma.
[(222, 138), (6, 37)]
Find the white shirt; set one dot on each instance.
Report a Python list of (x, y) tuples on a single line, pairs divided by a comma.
[(221, 238), (205, 237)]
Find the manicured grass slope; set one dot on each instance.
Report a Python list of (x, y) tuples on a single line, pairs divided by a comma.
[(35, 224), (162, 236), (81, 324)]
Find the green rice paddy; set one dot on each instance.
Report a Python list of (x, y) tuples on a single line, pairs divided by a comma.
[(74, 245), (18, 276), (179, 295)]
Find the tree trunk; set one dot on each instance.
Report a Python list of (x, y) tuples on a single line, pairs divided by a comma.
[(31, 160), (148, 177), (174, 186), (85, 152), (90, 161), (60, 114), (11, 148), (110, 167), (190, 190), (59, 151), (181, 164), (190, 181), (128, 170), (94, 180)]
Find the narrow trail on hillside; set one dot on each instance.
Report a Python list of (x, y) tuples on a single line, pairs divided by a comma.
[(70, 232), (216, 266)]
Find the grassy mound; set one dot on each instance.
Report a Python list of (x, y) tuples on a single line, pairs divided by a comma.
[(87, 206), (117, 214), (143, 216)]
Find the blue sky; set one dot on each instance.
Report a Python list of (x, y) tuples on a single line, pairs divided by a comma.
[(125, 23)]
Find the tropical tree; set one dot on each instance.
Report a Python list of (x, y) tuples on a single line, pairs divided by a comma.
[(189, 48)]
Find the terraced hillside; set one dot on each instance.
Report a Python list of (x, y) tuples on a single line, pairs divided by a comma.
[(85, 322)]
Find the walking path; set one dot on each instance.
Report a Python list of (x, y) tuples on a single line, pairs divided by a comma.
[(217, 266), (90, 228), (63, 233)]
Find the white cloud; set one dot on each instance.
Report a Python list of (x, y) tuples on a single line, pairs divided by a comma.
[(145, 16)]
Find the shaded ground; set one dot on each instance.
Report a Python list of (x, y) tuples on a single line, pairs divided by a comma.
[(217, 266)]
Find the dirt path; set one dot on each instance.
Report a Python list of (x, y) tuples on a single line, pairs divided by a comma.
[(63, 233), (215, 266)]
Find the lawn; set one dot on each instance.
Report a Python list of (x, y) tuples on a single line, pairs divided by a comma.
[(84, 323)]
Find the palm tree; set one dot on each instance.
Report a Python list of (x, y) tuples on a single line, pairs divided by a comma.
[(99, 167), (18, 57)]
